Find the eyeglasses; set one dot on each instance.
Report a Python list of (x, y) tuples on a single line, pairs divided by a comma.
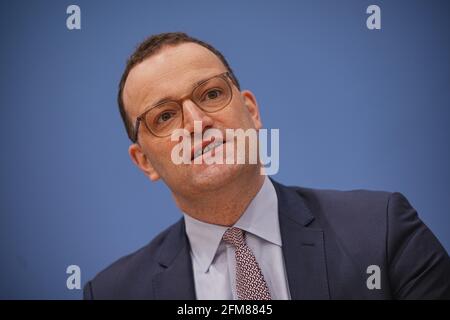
[(210, 95)]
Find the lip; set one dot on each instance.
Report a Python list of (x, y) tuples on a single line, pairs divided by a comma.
[(203, 145)]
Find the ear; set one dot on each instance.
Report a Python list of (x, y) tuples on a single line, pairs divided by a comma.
[(141, 160), (252, 106)]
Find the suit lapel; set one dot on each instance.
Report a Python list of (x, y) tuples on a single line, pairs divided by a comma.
[(176, 280), (303, 247)]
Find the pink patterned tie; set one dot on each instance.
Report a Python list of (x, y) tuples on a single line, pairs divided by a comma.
[(250, 283)]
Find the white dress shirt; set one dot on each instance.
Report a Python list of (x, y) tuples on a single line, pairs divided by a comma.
[(214, 261)]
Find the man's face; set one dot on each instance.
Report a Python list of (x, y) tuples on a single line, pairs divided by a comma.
[(172, 74)]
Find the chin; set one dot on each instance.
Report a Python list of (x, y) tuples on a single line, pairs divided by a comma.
[(214, 176)]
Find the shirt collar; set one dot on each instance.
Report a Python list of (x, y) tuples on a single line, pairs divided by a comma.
[(260, 219)]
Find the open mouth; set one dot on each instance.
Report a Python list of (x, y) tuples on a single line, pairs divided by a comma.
[(207, 147)]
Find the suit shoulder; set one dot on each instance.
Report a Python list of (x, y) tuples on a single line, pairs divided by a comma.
[(113, 280), (354, 222), (354, 195), (357, 216), (362, 202)]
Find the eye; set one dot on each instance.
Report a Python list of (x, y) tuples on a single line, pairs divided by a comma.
[(165, 116), (213, 94)]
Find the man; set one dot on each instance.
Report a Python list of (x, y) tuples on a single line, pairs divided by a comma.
[(243, 235)]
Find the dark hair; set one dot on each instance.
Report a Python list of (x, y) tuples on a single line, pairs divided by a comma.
[(150, 46)]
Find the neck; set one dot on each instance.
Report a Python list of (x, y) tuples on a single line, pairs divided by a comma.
[(223, 207)]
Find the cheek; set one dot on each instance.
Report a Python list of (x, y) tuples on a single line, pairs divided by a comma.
[(237, 116), (159, 153)]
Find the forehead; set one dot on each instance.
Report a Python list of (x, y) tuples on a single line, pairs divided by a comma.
[(171, 72)]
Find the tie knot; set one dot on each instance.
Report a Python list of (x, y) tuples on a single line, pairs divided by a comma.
[(234, 236)]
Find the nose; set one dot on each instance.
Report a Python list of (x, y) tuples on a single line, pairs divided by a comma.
[(193, 113)]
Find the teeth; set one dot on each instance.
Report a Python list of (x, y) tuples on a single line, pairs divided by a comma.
[(198, 153), (211, 146), (208, 148)]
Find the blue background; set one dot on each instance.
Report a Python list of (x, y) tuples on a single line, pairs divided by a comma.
[(356, 109)]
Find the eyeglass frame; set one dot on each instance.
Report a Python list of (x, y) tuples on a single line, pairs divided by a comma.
[(141, 118)]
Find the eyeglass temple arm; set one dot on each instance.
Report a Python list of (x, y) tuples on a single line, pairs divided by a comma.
[(136, 130)]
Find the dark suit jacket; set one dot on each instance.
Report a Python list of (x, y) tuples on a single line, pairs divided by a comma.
[(329, 239)]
